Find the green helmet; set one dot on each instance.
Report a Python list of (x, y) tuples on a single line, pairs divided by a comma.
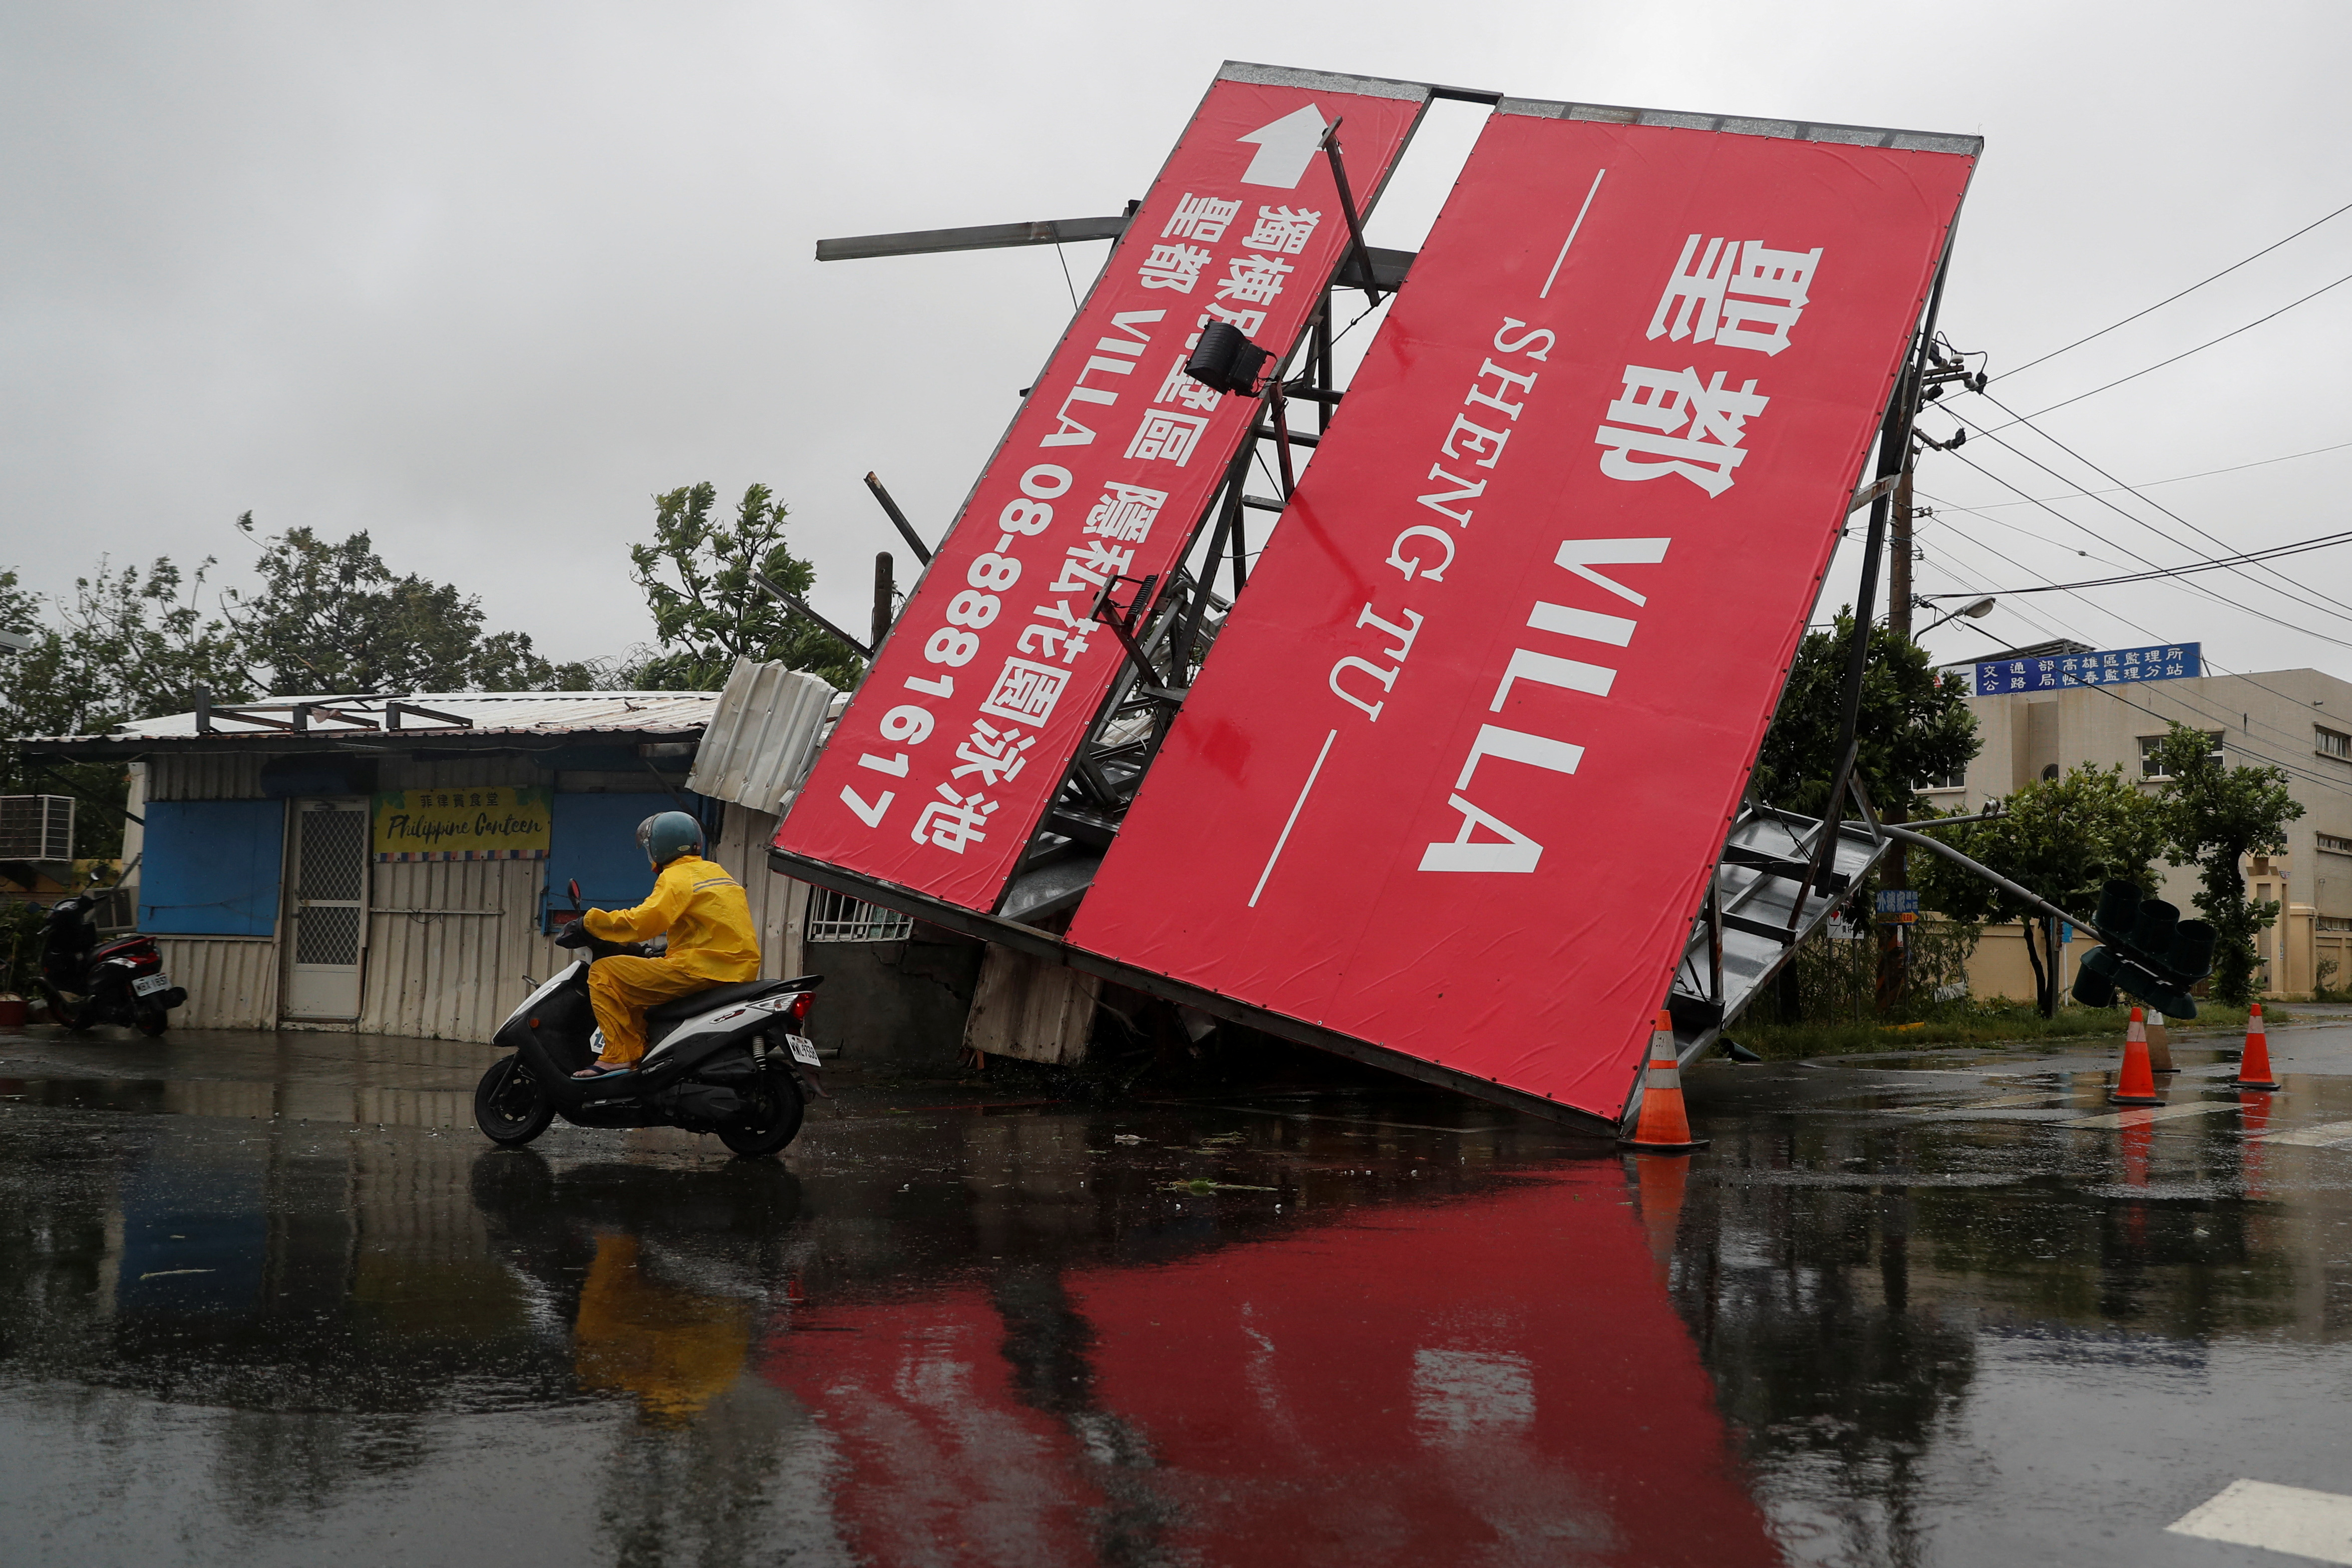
[(666, 835)]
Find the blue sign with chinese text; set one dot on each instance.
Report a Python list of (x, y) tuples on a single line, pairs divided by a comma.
[(2107, 667)]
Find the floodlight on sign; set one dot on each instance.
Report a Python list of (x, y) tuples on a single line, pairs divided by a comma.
[(1226, 360)]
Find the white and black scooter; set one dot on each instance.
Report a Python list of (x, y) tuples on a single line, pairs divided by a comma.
[(728, 1061)]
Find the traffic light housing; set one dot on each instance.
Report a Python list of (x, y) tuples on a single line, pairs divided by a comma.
[(2149, 953)]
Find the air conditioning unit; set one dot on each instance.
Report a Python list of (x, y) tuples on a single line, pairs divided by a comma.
[(36, 827)]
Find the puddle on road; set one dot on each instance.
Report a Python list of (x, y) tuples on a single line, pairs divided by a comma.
[(1361, 1329)]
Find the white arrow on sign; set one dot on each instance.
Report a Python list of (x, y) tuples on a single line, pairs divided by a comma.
[(1284, 149)]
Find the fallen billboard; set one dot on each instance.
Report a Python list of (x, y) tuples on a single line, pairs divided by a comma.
[(1454, 776), (957, 739)]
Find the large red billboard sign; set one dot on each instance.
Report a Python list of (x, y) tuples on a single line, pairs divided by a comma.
[(1456, 774), (949, 754)]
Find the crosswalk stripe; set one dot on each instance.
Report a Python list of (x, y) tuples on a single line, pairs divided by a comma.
[(2141, 1115), (2293, 1520)]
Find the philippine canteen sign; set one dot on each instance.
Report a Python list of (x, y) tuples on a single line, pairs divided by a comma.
[(1455, 778), (498, 823), (957, 740)]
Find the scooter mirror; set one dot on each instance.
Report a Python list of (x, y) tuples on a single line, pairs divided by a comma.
[(574, 885)]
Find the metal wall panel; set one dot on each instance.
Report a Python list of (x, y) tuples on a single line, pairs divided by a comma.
[(231, 983), (763, 736), (204, 776), (449, 944)]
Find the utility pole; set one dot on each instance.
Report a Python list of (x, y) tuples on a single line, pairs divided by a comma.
[(885, 594), (1895, 873)]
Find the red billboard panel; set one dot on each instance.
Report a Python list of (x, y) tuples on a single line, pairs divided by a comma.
[(956, 741), (1456, 773)]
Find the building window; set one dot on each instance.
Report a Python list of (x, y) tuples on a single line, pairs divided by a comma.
[(2328, 742), (2334, 845), (2335, 923), (1957, 778), (837, 917), (2149, 743)]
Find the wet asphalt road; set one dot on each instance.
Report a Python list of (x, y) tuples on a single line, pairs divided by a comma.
[(270, 1299)]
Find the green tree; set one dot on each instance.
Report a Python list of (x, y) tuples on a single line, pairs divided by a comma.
[(128, 643), (2063, 838), (2214, 815), (1915, 724), (709, 611), (334, 617)]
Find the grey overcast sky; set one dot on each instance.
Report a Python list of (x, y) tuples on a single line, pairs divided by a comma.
[(482, 278)]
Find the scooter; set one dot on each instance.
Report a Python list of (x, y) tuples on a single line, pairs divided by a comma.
[(88, 982), (729, 1059)]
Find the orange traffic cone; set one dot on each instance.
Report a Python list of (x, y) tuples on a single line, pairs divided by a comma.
[(1663, 1127), (2136, 1085), (2254, 1067)]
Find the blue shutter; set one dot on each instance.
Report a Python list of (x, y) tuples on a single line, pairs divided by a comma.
[(211, 867), (594, 838)]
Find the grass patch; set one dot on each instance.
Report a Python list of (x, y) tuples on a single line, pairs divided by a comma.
[(1983, 1024)]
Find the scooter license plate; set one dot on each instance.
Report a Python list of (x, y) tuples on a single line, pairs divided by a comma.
[(148, 984), (803, 1050)]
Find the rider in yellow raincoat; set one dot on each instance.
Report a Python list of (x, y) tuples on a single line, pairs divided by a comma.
[(711, 940)]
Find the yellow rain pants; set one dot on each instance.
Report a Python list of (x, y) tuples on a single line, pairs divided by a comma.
[(711, 942)]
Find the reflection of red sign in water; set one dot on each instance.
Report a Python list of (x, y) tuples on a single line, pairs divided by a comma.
[(1500, 1379), (1454, 776), (957, 740)]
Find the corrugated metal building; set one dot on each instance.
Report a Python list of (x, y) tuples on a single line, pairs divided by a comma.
[(265, 869)]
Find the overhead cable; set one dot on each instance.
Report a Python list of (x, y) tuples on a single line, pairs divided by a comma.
[(2170, 297)]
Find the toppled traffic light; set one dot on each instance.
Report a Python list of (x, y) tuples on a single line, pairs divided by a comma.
[(2150, 953)]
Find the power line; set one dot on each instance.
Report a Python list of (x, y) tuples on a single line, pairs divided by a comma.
[(2294, 588), (2228, 563), (2199, 348), (2151, 484), (2170, 297), (2194, 587)]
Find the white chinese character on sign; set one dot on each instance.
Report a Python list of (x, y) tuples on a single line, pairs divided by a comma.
[(1181, 388), (1255, 278), (1246, 322), (1662, 403), (1176, 266), (995, 754), (1200, 219), (1025, 693), (953, 821), (1742, 295), (1282, 230), (1090, 565), (1125, 512), (1170, 437)]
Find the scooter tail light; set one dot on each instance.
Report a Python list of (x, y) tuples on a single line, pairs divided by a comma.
[(801, 1004)]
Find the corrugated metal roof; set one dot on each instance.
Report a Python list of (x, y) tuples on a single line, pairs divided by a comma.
[(493, 713), (762, 736)]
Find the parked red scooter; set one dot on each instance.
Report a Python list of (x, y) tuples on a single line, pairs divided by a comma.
[(88, 982)]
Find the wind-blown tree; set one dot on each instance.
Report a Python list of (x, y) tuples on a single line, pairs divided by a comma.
[(708, 608), (334, 617), (2064, 839), (2214, 815), (1915, 724)]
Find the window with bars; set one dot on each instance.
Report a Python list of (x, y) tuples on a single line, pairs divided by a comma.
[(837, 917), (2334, 844), (2331, 742)]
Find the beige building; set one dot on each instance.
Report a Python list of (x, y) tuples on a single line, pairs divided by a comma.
[(2299, 720)]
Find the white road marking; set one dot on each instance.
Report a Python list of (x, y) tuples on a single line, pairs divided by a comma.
[(1570, 240), (2318, 1137), (2140, 1115), (2302, 1524), (1296, 806)]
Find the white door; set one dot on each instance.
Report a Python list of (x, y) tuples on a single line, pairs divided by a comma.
[(330, 909)]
